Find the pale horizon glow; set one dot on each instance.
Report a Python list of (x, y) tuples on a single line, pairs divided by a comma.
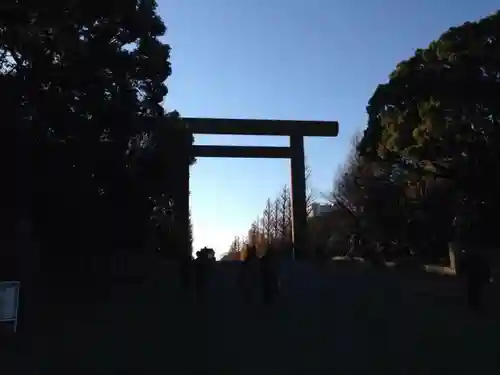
[(216, 241), (209, 197)]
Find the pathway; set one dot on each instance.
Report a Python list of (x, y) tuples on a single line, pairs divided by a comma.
[(343, 321)]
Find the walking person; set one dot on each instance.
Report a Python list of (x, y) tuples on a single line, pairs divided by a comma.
[(201, 265), (269, 276), (476, 271), (353, 244), (186, 272), (249, 275), (322, 257)]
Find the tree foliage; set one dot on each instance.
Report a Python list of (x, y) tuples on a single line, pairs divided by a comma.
[(84, 83), (434, 127)]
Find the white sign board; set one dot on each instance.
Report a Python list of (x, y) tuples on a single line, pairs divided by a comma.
[(9, 298)]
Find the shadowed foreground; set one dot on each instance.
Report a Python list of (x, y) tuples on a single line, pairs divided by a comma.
[(352, 320)]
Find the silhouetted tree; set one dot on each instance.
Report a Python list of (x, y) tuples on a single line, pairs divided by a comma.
[(276, 220), (435, 126), (84, 82), (309, 191), (285, 213), (267, 221)]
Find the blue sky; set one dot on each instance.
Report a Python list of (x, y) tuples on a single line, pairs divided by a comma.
[(286, 59)]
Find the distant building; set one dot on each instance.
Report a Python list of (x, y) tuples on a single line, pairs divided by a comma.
[(319, 209)]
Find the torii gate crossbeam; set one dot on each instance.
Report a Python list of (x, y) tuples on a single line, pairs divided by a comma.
[(296, 130)]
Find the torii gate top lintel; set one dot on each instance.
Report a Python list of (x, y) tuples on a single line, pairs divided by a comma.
[(262, 127)]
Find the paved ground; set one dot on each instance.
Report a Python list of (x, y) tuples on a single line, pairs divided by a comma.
[(344, 320)]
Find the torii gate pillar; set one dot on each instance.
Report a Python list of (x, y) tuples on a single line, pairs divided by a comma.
[(300, 235)]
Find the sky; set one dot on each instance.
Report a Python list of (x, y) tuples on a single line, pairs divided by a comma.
[(291, 60)]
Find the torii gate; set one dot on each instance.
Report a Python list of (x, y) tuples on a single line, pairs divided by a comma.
[(296, 130)]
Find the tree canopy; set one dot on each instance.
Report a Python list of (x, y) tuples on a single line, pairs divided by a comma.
[(97, 156), (438, 117)]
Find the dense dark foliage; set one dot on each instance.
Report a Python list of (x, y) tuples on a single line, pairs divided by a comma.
[(96, 156), (432, 145)]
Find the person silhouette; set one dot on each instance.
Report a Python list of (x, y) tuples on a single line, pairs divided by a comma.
[(249, 274), (269, 276), (186, 271), (201, 275), (477, 274), (322, 256), (354, 242)]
